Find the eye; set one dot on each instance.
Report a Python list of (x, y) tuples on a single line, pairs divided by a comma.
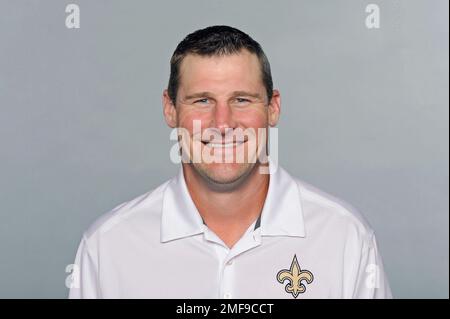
[(242, 100), (202, 101)]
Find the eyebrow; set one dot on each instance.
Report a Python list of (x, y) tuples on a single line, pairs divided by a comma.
[(196, 95), (234, 93), (245, 93)]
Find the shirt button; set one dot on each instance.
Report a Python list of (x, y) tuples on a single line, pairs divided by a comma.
[(230, 262), (227, 295)]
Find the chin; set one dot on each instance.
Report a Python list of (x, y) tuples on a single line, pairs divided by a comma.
[(224, 173)]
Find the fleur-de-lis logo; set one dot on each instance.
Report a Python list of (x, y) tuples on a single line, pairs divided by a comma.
[(295, 276)]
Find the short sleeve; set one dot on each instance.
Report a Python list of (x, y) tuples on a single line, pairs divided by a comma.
[(84, 284), (372, 282)]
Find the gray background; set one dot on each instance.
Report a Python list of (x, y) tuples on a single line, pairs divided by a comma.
[(364, 117)]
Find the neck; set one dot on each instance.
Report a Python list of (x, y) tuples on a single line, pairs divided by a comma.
[(230, 213)]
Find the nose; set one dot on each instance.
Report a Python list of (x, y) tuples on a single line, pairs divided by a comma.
[(223, 117)]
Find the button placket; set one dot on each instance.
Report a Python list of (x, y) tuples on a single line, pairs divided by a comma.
[(227, 278)]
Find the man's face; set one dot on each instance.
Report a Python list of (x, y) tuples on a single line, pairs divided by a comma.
[(227, 95)]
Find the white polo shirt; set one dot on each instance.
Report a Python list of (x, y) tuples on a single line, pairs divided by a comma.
[(305, 244)]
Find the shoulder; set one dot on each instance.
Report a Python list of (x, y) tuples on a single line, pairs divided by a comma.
[(332, 213), (145, 207)]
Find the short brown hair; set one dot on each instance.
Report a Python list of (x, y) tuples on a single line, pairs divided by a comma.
[(216, 40)]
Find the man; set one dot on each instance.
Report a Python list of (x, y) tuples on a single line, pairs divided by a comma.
[(225, 228)]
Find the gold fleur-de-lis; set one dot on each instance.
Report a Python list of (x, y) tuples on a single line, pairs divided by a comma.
[(295, 276)]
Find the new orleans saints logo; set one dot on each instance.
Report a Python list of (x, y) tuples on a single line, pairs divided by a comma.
[(295, 276)]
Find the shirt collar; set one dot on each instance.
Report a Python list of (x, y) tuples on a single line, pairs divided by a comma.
[(281, 214), (180, 218)]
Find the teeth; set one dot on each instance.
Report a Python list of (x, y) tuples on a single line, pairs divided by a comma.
[(223, 145)]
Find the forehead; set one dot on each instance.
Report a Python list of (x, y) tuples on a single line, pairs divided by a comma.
[(234, 71)]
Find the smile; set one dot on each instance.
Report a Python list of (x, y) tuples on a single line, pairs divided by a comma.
[(224, 145)]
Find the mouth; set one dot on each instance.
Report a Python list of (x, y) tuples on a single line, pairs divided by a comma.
[(223, 145)]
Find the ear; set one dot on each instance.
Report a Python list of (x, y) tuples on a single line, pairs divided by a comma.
[(169, 110), (274, 108)]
